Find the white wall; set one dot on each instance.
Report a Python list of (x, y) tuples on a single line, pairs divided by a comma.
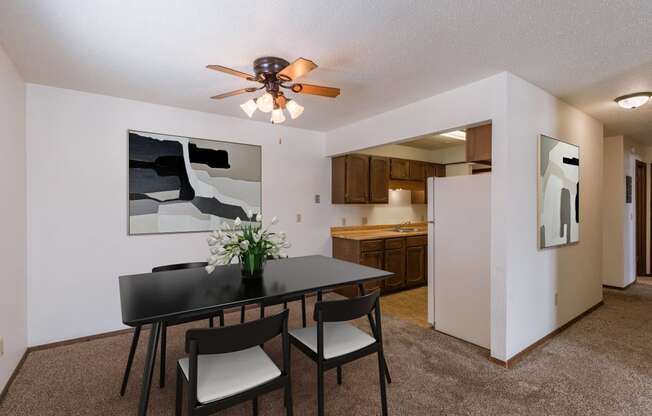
[(13, 245), (481, 101), (534, 276), (77, 201), (613, 216)]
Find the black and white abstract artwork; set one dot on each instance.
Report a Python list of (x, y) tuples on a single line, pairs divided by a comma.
[(181, 184), (559, 192)]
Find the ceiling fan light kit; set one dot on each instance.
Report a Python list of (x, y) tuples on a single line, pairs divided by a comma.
[(632, 101), (276, 73)]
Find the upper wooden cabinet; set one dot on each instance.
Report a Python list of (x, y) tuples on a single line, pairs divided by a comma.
[(378, 180), (435, 170), (478, 144), (399, 169), (350, 179), (417, 170)]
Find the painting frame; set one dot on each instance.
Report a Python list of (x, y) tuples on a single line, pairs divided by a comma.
[(541, 244), (128, 177)]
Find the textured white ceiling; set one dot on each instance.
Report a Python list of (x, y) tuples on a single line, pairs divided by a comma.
[(381, 53)]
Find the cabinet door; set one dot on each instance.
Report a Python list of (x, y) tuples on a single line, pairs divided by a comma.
[(373, 259), (417, 170), (378, 180), (338, 180), (399, 169), (478, 144), (395, 263), (415, 262), (357, 179)]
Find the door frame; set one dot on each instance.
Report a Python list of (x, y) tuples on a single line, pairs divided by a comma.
[(643, 226)]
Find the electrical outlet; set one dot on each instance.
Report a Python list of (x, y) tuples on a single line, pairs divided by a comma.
[(317, 199), (280, 140), (343, 221), (364, 221), (298, 217), (2, 346), (556, 298)]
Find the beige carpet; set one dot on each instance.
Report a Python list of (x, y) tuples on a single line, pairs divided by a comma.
[(602, 365)]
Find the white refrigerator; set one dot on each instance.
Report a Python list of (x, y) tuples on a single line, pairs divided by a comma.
[(430, 190)]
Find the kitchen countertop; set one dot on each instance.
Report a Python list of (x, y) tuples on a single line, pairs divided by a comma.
[(374, 234)]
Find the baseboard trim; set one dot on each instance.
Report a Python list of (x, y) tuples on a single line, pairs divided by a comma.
[(510, 363), (13, 375), (618, 287), (460, 339)]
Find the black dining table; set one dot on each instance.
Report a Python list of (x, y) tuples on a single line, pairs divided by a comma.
[(152, 298)]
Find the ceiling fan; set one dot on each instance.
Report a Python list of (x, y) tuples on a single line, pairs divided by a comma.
[(274, 74)]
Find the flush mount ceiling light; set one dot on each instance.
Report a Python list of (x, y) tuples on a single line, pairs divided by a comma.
[(631, 101), (457, 135), (276, 73)]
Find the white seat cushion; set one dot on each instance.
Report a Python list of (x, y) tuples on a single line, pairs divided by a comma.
[(339, 338), (224, 375)]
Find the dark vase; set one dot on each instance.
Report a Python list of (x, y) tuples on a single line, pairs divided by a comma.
[(252, 265)]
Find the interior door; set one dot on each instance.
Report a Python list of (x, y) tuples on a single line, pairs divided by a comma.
[(641, 220)]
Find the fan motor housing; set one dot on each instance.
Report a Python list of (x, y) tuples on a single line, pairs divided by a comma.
[(269, 65)]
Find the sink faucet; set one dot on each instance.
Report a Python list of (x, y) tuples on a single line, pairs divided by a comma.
[(402, 224)]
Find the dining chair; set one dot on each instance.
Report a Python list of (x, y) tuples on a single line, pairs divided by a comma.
[(226, 366), (334, 341), (137, 330)]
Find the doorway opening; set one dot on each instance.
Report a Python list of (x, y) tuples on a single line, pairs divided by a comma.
[(641, 218)]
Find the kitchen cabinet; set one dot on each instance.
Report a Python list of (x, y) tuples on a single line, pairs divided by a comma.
[(378, 180), (399, 169), (395, 262), (406, 257), (417, 170), (478, 144), (431, 170), (416, 261), (350, 179)]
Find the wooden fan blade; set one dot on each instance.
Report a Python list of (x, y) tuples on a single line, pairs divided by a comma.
[(230, 71), (232, 93), (316, 90), (296, 69)]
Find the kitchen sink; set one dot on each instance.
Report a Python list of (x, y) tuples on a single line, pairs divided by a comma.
[(406, 230)]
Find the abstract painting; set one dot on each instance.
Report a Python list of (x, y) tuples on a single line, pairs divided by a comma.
[(182, 184), (559, 192)]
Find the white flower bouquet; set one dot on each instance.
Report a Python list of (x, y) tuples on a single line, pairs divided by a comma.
[(248, 242)]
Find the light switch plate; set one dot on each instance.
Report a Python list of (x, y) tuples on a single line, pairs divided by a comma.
[(2, 346), (298, 217), (317, 199)]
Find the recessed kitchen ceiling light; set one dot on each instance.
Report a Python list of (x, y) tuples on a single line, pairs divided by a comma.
[(457, 135), (631, 101)]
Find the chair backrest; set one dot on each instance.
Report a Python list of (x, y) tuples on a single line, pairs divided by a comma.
[(236, 337), (346, 309), (180, 266)]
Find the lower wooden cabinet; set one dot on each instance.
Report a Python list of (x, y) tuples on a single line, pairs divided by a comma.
[(373, 259), (406, 257), (415, 260)]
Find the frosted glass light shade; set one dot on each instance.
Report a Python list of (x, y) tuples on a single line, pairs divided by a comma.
[(277, 116), (633, 100), (249, 107), (265, 103), (294, 109)]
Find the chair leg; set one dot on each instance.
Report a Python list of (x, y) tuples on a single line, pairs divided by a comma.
[(164, 336), (303, 310), (381, 377), (288, 400), (254, 402), (211, 323), (130, 360), (179, 396), (339, 375), (221, 318), (320, 390), (242, 314)]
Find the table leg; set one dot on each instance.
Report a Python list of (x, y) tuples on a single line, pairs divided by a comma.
[(149, 367)]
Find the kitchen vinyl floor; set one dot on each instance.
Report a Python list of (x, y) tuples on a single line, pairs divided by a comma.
[(408, 305)]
